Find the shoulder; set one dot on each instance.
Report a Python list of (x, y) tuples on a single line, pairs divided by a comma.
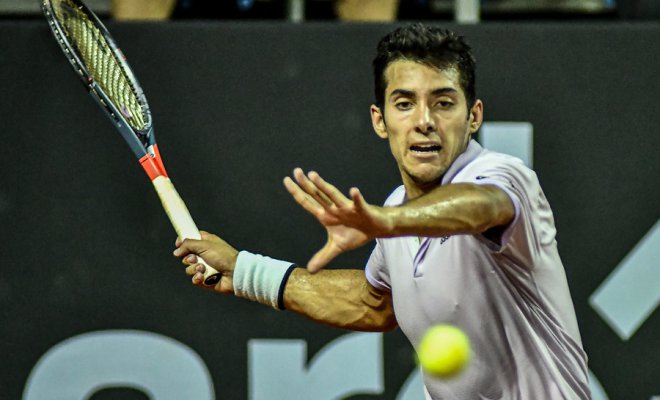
[(492, 159), (491, 164)]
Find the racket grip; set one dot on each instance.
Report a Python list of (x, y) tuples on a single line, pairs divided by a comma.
[(182, 221)]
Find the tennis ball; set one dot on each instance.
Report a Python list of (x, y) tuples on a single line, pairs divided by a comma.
[(444, 350)]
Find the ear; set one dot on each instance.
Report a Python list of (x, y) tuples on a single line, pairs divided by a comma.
[(378, 121), (476, 116)]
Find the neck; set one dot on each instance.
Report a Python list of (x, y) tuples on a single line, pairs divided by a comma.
[(415, 189)]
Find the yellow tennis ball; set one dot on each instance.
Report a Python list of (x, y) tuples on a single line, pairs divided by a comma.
[(444, 350)]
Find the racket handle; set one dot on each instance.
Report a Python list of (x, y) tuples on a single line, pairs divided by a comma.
[(182, 221)]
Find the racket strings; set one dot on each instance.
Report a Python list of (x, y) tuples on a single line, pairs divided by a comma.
[(101, 61)]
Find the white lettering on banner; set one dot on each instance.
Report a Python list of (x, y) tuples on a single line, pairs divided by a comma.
[(349, 365), (156, 365), (413, 388), (165, 369), (597, 391), (630, 294), (512, 138)]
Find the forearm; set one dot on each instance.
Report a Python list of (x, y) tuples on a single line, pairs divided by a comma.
[(339, 298), (449, 210)]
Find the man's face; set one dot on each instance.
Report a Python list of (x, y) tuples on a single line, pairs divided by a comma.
[(426, 121)]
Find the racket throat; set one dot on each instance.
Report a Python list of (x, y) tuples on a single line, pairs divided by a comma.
[(152, 163)]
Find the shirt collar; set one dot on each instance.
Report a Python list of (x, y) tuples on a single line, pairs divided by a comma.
[(471, 152)]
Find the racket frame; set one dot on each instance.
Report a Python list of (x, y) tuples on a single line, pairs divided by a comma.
[(139, 148), (145, 150)]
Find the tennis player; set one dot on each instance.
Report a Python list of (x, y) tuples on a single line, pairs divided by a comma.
[(468, 239)]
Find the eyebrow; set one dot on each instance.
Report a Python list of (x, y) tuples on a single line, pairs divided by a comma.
[(435, 92)]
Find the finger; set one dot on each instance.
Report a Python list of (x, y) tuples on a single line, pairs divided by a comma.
[(189, 246), (198, 279), (209, 236), (310, 188), (358, 200), (328, 190), (194, 269), (178, 242), (191, 270), (322, 257), (303, 199), (190, 259)]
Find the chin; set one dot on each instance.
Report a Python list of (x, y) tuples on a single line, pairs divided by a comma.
[(423, 175), (427, 179)]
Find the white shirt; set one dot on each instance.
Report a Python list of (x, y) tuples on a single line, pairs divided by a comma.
[(512, 299)]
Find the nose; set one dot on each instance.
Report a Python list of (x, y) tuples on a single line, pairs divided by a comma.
[(425, 121)]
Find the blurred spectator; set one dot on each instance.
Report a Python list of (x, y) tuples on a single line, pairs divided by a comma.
[(378, 10), (367, 10), (142, 9), (347, 10), (197, 9)]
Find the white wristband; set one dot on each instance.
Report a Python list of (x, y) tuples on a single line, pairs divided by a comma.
[(261, 278)]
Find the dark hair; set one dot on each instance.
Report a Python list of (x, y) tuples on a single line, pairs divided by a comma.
[(437, 47)]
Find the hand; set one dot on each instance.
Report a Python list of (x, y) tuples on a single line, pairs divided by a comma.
[(217, 254), (350, 223)]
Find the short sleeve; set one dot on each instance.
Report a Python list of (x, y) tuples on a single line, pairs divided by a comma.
[(376, 270), (532, 223)]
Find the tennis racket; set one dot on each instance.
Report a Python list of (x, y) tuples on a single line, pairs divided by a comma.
[(103, 69)]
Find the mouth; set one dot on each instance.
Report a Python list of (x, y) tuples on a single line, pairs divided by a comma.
[(425, 148)]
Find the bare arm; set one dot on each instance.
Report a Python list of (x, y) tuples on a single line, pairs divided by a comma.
[(461, 208), (340, 298)]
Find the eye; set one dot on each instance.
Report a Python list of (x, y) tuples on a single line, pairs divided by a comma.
[(403, 105), (445, 104)]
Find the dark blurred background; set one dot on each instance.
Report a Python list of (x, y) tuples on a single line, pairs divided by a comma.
[(244, 91)]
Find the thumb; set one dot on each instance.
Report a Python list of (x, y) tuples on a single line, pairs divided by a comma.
[(323, 257), (190, 246)]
